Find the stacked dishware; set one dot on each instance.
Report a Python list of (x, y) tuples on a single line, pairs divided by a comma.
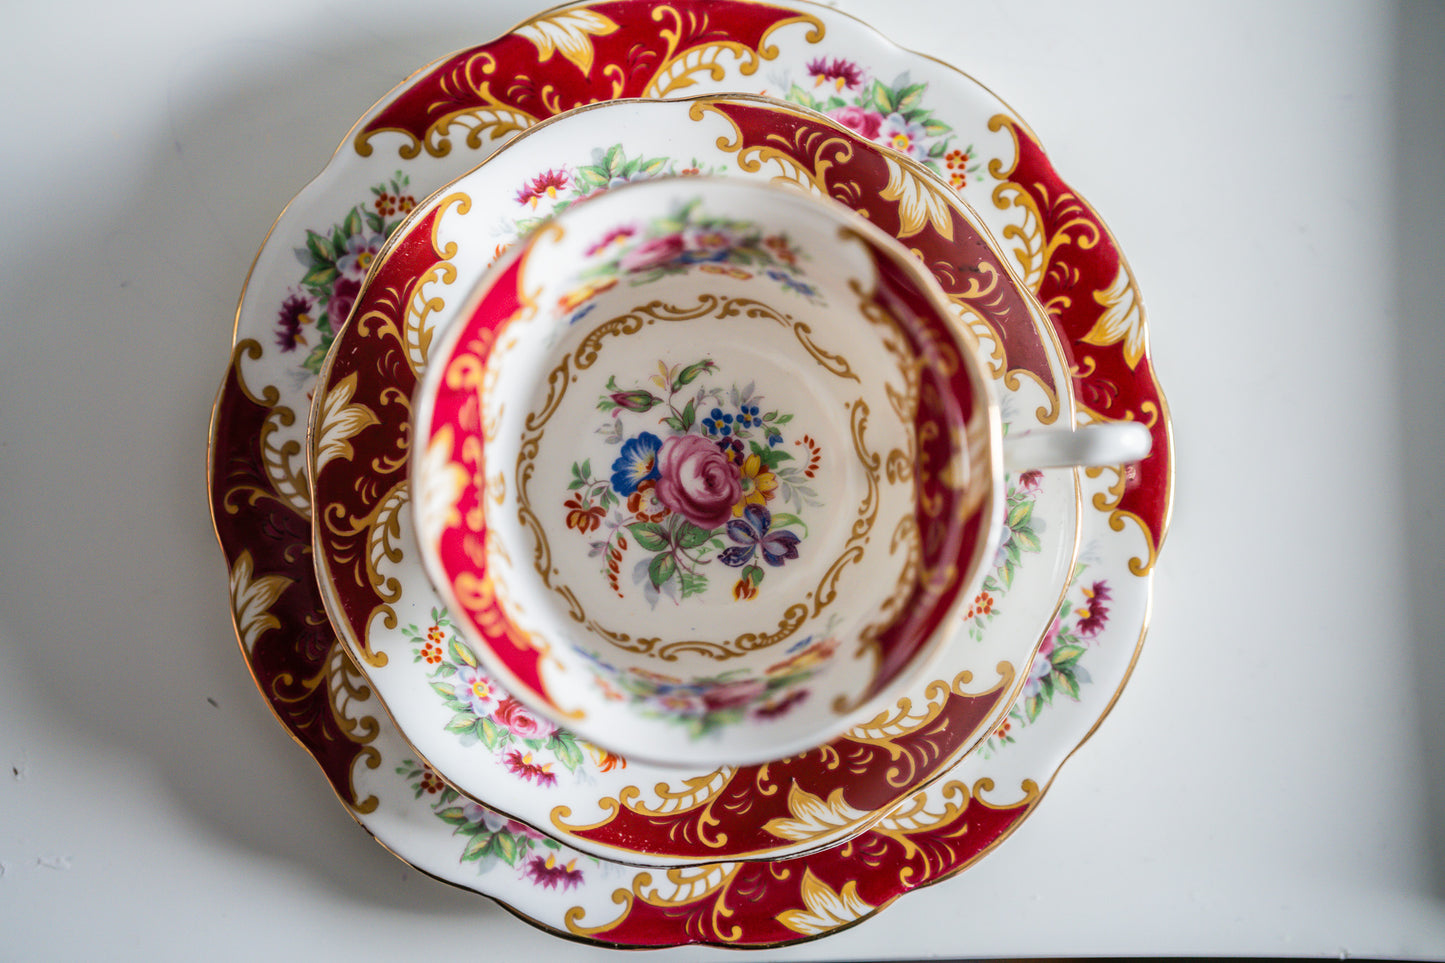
[(641, 449)]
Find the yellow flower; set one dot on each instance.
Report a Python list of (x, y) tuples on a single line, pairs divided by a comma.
[(759, 484)]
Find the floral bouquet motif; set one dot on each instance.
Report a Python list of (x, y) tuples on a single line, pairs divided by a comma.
[(683, 241), (703, 705), (701, 477)]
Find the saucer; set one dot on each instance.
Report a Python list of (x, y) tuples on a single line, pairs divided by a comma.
[(381, 601), (260, 506)]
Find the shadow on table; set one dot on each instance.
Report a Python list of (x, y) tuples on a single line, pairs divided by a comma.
[(117, 605), (1420, 160)]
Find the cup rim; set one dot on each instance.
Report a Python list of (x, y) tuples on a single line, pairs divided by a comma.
[(986, 481)]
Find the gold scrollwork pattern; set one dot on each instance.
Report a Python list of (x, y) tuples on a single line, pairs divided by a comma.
[(825, 909), (677, 888), (569, 33), (813, 817), (824, 148), (1123, 318), (1110, 500), (921, 203), (338, 422), (1034, 250), (696, 792), (897, 730), (282, 462), (347, 693), (252, 598)]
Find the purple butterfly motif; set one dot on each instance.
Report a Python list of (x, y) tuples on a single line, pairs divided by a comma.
[(752, 536)]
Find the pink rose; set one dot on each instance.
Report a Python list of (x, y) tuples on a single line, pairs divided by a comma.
[(653, 253), (520, 720), (343, 296), (866, 122), (697, 481), (731, 695)]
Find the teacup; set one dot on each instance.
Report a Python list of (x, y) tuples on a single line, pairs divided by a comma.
[(708, 468)]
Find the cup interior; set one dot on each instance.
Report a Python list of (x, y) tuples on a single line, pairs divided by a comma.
[(715, 458)]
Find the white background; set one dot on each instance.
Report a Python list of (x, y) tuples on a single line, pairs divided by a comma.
[(1272, 780)]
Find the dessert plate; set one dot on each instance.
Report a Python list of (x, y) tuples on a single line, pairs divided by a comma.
[(379, 597), (261, 510)]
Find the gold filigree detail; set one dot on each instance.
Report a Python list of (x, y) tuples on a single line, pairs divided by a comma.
[(252, 598), (1112, 497), (920, 202), (491, 116), (696, 792), (782, 152), (339, 422), (1123, 319), (445, 482), (679, 887), (569, 33), (383, 542), (811, 817), (283, 462), (826, 909), (1073, 223), (905, 718), (285, 465), (1027, 237), (1013, 380), (969, 317), (346, 690)]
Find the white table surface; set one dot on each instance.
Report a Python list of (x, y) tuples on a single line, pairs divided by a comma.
[(1271, 781)]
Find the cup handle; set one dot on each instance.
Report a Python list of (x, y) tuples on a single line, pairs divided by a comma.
[(1090, 446)]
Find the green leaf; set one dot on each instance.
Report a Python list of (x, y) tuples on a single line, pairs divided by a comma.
[(650, 535), (1018, 515), (455, 815), (320, 276), (491, 734), (689, 416), (442, 689), (461, 653), (690, 536), (770, 457), (937, 128), (784, 519), (506, 847), (910, 97), (478, 847), (566, 749), (1064, 656), (320, 247), (882, 98), (662, 569), (800, 96), (1067, 684), (692, 584), (1028, 541), (461, 722)]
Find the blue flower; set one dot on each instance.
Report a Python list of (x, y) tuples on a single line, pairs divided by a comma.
[(748, 416), (717, 423), (752, 536), (792, 283), (636, 463)]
